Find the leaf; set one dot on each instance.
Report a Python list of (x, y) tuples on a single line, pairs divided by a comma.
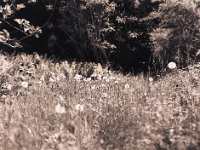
[(49, 7), (198, 53), (15, 44), (6, 11), (37, 35), (19, 21), (20, 6), (5, 33), (32, 1), (120, 20)]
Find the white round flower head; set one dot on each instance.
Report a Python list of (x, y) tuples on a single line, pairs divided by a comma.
[(104, 95), (93, 87), (78, 77), (127, 86), (150, 79), (79, 107), (171, 65), (60, 109), (24, 84)]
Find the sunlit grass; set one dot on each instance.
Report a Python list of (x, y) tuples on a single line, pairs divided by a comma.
[(45, 105)]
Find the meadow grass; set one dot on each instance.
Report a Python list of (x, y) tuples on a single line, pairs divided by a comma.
[(71, 106)]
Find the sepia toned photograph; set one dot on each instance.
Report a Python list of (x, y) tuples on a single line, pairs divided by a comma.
[(99, 74)]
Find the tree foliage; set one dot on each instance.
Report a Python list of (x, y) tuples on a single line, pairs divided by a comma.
[(111, 31), (177, 36), (130, 35), (8, 9)]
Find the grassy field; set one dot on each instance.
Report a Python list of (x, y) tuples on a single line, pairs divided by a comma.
[(69, 106)]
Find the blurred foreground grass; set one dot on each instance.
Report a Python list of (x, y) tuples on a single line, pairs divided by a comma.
[(69, 106)]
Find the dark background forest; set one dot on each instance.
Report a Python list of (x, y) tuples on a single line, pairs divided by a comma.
[(128, 35)]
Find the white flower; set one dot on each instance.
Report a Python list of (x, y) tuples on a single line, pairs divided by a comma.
[(61, 97), (87, 79), (62, 76), (93, 87), (99, 77), (150, 79), (104, 77), (60, 109), (24, 84), (107, 80), (79, 107), (103, 85), (42, 78), (104, 95), (171, 65), (116, 82), (127, 86), (78, 77), (40, 83), (51, 79)]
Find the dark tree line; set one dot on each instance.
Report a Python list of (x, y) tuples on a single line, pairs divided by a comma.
[(131, 35)]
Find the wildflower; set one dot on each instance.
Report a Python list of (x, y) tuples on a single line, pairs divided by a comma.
[(24, 84), (171, 65), (103, 85), (127, 86), (150, 79), (116, 82), (107, 80), (87, 79), (79, 107), (42, 78), (93, 87), (104, 95), (62, 76), (101, 141), (104, 77), (61, 97), (52, 79), (78, 77), (171, 132), (99, 77), (60, 109)]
